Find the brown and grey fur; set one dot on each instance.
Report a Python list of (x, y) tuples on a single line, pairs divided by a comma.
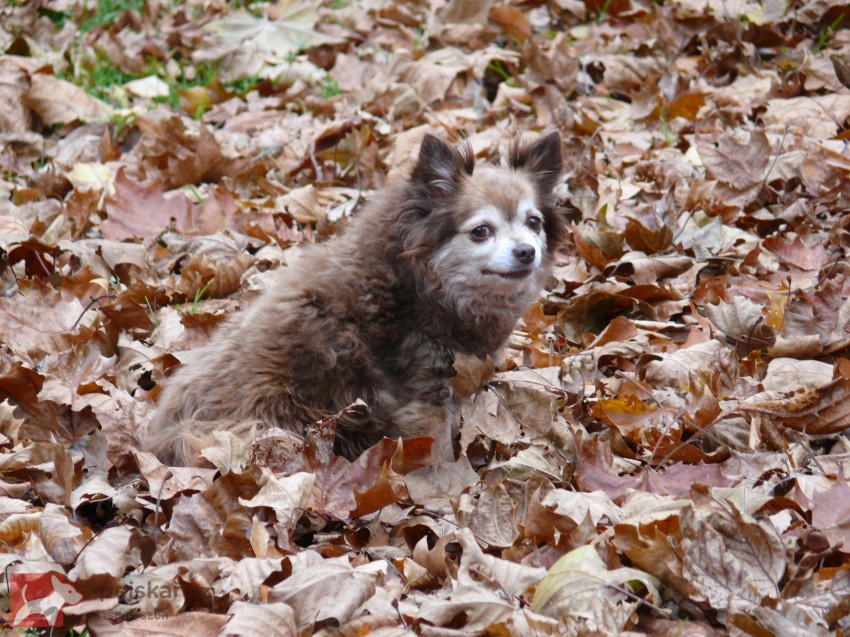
[(376, 314)]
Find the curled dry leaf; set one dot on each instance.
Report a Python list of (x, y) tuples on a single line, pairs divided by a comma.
[(62, 539), (229, 453), (824, 410), (577, 581), (515, 579), (213, 523), (475, 606), (38, 322), (435, 485)]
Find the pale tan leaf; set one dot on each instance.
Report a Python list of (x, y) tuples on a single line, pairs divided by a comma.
[(272, 619), (62, 539), (674, 369), (790, 375), (14, 526), (511, 577), (192, 623), (478, 606), (288, 495), (739, 162), (330, 590), (292, 31), (492, 515), (817, 115), (59, 102), (229, 453), (111, 552), (434, 485), (580, 577)]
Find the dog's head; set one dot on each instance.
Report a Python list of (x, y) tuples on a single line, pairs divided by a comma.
[(487, 231)]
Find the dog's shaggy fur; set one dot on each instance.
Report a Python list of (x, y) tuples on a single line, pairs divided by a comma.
[(379, 312)]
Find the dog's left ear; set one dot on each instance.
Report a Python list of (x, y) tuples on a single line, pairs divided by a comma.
[(542, 160), (440, 166)]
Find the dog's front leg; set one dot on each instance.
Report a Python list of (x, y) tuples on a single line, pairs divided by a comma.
[(440, 422), (426, 402)]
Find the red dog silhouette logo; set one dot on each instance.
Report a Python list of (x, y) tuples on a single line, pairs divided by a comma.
[(37, 599)]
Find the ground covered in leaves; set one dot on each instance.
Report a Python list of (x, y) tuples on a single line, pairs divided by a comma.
[(661, 450)]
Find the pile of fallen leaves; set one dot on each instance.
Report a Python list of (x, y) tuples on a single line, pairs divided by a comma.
[(662, 449)]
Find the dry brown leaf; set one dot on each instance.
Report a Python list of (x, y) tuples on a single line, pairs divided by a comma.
[(38, 322), (742, 163), (727, 554), (512, 20), (60, 102), (580, 580), (706, 188), (139, 210), (213, 523), (824, 410), (473, 605), (675, 369), (491, 515), (435, 485)]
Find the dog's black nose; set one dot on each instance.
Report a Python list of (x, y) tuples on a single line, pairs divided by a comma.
[(524, 253)]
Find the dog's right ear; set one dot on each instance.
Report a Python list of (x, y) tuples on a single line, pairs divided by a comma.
[(440, 166), (541, 159)]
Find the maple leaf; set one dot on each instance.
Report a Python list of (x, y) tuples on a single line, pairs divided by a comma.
[(291, 31)]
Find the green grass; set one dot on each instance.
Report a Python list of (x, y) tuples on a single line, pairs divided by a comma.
[(243, 84), (498, 69), (109, 11), (330, 88), (199, 296), (827, 33), (98, 76), (59, 18), (151, 312), (603, 12), (670, 138)]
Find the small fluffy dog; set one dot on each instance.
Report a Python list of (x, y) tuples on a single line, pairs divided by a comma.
[(444, 261)]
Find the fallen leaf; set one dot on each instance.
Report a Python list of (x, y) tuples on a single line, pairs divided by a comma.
[(60, 102)]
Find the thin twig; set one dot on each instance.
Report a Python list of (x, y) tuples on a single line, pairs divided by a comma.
[(88, 307)]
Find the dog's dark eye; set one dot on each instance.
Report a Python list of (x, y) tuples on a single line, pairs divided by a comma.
[(481, 233), (534, 223)]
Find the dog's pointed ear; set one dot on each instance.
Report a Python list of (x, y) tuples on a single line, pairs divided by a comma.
[(542, 159), (440, 166)]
